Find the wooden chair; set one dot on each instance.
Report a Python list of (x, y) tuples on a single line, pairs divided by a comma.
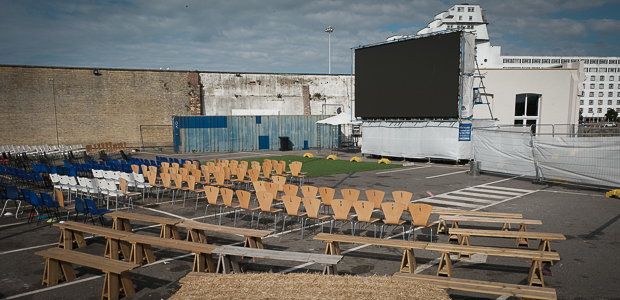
[(312, 206), (363, 210), (280, 181), (212, 193), (341, 208), (191, 185), (256, 165), (145, 169), (402, 197), (244, 164), (128, 195), (290, 190), (376, 197), (135, 169), (272, 188), (266, 171), (166, 179), (254, 175), (152, 178), (265, 199), (61, 201), (244, 203), (174, 165), (240, 174), (220, 180), (419, 217), (178, 182), (350, 194), (309, 191), (227, 198), (278, 169), (327, 195), (296, 173), (392, 212), (206, 175), (292, 204)]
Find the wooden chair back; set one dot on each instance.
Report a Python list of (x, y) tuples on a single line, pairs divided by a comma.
[(152, 177), (233, 164), (145, 169), (402, 197), (271, 188), (210, 164), (227, 196), (191, 182), (241, 173), (173, 170), (151, 169), (165, 180), (363, 209), (244, 198), (259, 186), (392, 212), (312, 206), (254, 174), (60, 198), (341, 208), (135, 169), (211, 192), (283, 164), (291, 203), (188, 165), (123, 183), (183, 171), (215, 168), (219, 177), (309, 191), (265, 199), (327, 195), (350, 194), (196, 164), (290, 190), (244, 163), (178, 180), (267, 170), (205, 171), (165, 170), (226, 173), (225, 162), (196, 173), (280, 181), (376, 197), (256, 165), (277, 167), (174, 165), (165, 164), (420, 213), (295, 169)]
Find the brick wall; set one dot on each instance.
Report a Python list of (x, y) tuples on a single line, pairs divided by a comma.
[(92, 108)]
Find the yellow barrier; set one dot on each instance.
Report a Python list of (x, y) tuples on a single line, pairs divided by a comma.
[(355, 159), (308, 155), (332, 157), (385, 161), (613, 193)]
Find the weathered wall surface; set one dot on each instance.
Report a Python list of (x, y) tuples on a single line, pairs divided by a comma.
[(225, 92), (92, 108)]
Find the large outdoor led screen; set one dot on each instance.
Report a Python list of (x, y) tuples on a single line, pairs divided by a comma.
[(416, 78)]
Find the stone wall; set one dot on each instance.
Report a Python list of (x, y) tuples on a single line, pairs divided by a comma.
[(46, 105)]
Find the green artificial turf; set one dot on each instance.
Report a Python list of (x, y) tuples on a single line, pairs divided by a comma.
[(321, 166)]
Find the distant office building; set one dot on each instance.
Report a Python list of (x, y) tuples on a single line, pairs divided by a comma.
[(601, 88)]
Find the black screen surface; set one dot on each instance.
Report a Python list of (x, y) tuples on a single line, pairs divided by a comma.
[(417, 78)]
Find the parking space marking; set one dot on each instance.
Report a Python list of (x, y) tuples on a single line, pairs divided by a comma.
[(446, 174), (402, 170), (493, 192), (450, 196), (438, 201), (481, 195)]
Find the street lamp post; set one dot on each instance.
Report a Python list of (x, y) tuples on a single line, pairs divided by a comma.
[(55, 112), (329, 31)]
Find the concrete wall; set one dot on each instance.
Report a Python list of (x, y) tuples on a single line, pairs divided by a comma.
[(559, 88), (92, 108), (225, 92)]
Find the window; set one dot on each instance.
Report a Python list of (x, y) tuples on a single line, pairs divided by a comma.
[(546, 61), (609, 102), (602, 78), (512, 60), (618, 94), (585, 61), (460, 18), (555, 61), (526, 61), (573, 60), (590, 110), (591, 102), (593, 70), (611, 85), (610, 94), (460, 9), (600, 94), (611, 78), (565, 60), (612, 62), (617, 102), (536, 60), (602, 61), (612, 70), (591, 94), (592, 86), (601, 86), (602, 69), (526, 109), (471, 18), (599, 110), (594, 61), (592, 78), (580, 102), (470, 9), (580, 110), (600, 102), (618, 110)]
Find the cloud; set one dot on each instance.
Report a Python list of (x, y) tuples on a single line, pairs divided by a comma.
[(605, 26)]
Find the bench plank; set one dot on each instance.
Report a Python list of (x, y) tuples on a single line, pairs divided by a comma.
[(486, 287), (509, 234), (489, 220), (196, 233), (72, 232), (168, 225)]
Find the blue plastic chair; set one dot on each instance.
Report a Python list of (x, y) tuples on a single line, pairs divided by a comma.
[(50, 205), (80, 207), (93, 210), (38, 206), (12, 194)]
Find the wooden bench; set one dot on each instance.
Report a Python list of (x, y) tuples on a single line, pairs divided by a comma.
[(168, 225), (116, 272), (486, 287), (536, 256), (229, 257), (408, 263), (194, 275), (545, 237), (142, 252), (441, 226), (196, 233), (456, 219), (73, 232)]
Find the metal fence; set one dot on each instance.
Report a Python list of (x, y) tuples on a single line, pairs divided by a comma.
[(562, 153), (248, 133)]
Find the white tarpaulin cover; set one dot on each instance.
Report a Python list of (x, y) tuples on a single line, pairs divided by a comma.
[(467, 100), (415, 139), (503, 151), (340, 119), (586, 160), (468, 52)]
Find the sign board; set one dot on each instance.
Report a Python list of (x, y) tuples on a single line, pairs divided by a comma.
[(464, 132)]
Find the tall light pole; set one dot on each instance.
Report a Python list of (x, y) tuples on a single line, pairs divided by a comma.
[(329, 31), (55, 113)]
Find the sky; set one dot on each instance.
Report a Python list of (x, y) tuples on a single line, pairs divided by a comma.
[(276, 36)]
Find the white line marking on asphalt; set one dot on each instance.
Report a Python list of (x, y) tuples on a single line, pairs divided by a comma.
[(437, 201), (445, 174), (481, 195), (487, 185), (465, 198), (494, 192), (401, 170)]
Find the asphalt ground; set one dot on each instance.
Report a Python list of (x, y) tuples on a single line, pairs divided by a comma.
[(587, 269)]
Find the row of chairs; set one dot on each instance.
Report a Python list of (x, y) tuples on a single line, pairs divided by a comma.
[(39, 149), (108, 147), (19, 176)]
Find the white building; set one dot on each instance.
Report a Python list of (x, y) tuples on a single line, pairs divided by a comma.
[(601, 87)]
